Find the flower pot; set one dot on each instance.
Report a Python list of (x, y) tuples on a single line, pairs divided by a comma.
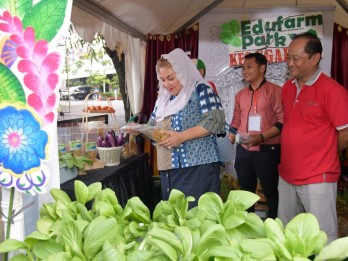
[(67, 174)]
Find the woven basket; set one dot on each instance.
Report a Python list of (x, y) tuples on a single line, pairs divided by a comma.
[(110, 156)]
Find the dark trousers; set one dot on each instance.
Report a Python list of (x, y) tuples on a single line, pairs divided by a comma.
[(262, 165), (192, 181)]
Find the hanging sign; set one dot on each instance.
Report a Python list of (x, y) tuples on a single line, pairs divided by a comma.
[(269, 36)]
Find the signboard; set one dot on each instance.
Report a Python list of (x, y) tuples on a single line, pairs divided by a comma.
[(270, 36), (30, 73)]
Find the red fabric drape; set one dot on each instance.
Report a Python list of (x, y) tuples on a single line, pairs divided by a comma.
[(339, 62), (156, 45)]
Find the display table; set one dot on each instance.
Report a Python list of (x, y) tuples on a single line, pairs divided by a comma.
[(133, 177)]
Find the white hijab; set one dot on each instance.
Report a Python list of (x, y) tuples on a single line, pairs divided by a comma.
[(188, 76)]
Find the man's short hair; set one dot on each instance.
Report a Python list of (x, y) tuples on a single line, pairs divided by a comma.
[(313, 45), (260, 59)]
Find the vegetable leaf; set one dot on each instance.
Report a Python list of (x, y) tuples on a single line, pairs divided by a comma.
[(336, 250), (242, 199), (81, 192), (11, 245), (212, 204), (97, 233), (43, 249)]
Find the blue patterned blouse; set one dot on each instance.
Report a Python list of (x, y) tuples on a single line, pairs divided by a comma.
[(204, 109)]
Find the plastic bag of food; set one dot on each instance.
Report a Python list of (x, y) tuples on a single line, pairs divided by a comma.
[(154, 133)]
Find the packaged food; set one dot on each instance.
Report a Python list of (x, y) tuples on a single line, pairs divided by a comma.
[(62, 148), (154, 133), (76, 148), (91, 150)]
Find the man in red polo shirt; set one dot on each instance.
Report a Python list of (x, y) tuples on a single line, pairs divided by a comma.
[(315, 129)]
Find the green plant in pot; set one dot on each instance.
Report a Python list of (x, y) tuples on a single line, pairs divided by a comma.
[(69, 160), (70, 165)]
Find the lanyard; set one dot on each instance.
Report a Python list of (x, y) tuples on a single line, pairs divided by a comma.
[(256, 95)]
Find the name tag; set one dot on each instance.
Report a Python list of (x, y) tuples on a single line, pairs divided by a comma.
[(254, 123)]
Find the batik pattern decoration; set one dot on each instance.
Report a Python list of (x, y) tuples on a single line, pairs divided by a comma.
[(29, 82)]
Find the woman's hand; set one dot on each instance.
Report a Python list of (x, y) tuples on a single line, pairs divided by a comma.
[(174, 140)]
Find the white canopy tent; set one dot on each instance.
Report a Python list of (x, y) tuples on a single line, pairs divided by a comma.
[(128, 22)]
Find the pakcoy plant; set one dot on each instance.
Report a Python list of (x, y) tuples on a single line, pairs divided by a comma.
[(69, 161), (213, 230)]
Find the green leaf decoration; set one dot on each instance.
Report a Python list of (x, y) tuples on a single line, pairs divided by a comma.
[(11, 90), (16, 7), (229, 33), (46, 17)]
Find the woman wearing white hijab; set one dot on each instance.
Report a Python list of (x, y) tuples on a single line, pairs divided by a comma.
[(188, 108)]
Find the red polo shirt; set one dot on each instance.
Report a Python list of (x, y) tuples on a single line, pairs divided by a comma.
[(309, 135)]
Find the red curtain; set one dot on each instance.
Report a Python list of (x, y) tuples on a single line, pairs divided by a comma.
[(156, 45), (339, 62)]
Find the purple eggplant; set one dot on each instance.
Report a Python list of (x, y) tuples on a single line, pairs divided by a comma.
[(120, 139), (106, 144), (100, 141), (107, 134), (112, 140), (113, 134)]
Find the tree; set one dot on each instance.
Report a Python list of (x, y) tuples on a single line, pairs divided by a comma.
[(118, 59), (100, 80)]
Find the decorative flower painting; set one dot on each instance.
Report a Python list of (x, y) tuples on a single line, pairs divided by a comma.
[(29, 83)]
